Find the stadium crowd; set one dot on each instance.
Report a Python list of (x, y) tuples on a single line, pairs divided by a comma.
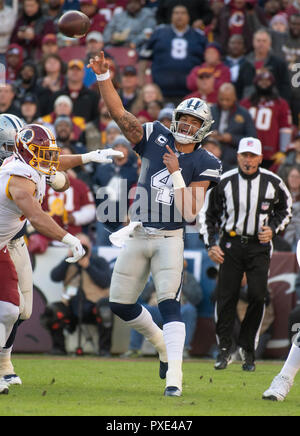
[(241, 56)]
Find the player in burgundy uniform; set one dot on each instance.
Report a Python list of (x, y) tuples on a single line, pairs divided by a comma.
[(272, 116)]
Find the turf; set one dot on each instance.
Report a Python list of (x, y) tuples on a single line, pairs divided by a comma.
[(85, 386)]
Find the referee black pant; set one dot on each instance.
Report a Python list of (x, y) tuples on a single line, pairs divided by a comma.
[(241, 256)]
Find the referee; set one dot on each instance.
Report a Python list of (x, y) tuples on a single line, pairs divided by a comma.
[(249, 206)]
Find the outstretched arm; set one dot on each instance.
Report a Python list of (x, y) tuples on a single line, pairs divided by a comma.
[(69, 161), (128, 123)]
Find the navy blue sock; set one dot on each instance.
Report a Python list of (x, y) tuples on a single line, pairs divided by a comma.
[(126, 312), (170, 311)]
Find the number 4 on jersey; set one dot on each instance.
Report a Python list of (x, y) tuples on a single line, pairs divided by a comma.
[(162, 181)]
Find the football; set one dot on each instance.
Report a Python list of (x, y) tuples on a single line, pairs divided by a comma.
[(74, 24)]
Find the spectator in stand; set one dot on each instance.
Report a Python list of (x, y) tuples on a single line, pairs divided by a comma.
[(111, 7), (232, 123), (210, 28), (262, 57), (198, 10), (27, 79), (63, 105), (112, 185), (292, 158), (206, 89), (31, 27), (174, 50), (242, 72), (49, 45), (129, 89), (127, 27), (8, 18), (165, 116), (271, 8), (112, 132), (292, 232), (64, 135), (97, 19), (242, 17), (30, 108), (14, 61), (51, 80), (287, 47), (85, 299), (153, 108), (213, 146), (94, 44), (85, 100), (271, 115), (293, 8), (54, 10), (213, 61), (72, 209), (8, 103), (70, 5), (149, 92), (279, 24)]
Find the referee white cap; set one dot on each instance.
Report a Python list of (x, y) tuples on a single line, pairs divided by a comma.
[(250, 145)]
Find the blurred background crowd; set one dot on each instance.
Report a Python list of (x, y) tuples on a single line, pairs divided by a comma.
[(241, 56)]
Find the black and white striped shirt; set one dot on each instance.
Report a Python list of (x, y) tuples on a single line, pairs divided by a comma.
[(243, 204)]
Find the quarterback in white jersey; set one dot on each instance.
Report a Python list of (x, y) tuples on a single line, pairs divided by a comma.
[(22, 188)]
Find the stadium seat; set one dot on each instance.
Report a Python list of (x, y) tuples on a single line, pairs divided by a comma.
[(72, 52)]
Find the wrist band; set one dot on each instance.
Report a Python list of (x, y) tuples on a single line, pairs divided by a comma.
[(102, 77), (178, 181)]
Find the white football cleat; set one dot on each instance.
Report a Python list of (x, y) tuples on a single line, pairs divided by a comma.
[(4, 388), (279, 388), (12, 379)]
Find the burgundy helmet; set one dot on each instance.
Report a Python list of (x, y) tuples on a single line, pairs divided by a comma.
[(36, 146)]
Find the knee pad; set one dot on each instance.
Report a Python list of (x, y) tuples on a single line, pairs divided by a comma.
[(170, 311), (126, 312)]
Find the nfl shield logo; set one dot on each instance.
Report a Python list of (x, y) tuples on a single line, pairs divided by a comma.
[(265, 205)]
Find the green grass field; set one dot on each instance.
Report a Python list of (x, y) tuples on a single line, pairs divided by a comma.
[(91, 386)]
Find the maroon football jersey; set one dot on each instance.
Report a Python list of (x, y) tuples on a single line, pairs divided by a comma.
[(269, 117), (60, 204)]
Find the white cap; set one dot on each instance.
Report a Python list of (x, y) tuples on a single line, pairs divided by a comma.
[(94, 35), (250, 145), (63, 99)]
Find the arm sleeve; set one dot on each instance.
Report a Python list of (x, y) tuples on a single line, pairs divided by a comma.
[(282, 211)]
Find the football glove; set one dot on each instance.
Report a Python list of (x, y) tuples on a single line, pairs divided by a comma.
[(75, 246), (101, 156)]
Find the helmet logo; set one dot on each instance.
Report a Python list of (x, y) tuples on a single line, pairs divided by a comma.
[(27, 136), (190, 104)]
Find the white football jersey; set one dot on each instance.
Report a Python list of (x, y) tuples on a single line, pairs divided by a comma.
[(11, 217)]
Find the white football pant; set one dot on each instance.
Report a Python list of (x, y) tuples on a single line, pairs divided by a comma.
[(20, 256)]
